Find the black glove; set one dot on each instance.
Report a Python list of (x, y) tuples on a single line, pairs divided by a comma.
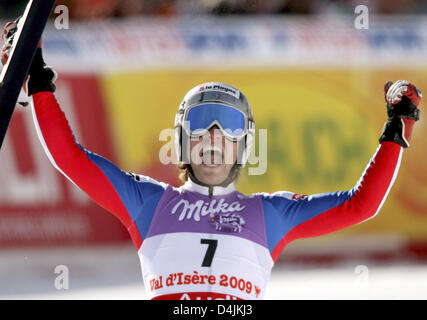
[(40, 76), (402, 100)]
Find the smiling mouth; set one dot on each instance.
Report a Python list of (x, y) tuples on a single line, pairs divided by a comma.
[(211, 156)]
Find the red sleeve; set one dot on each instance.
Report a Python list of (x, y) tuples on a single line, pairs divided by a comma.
[(73, 161), (290, 218)]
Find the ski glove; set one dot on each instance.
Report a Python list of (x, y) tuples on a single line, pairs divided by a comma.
[(40, 76), (402, 100)]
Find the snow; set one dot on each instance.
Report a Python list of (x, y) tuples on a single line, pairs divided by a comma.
[(113, 273)]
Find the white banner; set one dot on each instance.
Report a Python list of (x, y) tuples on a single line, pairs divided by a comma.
[(236, 42)]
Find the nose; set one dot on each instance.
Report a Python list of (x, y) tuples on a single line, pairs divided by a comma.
[(214, 135), (213, 128)]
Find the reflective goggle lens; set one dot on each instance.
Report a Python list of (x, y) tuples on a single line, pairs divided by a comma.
[(231, 120)]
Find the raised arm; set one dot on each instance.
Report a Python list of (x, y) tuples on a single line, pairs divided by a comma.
[(290, 217), (110, 187), (131, 198)]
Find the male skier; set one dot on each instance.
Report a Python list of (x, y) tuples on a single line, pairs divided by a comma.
[(206, 240)]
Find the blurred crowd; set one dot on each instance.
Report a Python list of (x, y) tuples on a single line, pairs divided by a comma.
[(104, 9)]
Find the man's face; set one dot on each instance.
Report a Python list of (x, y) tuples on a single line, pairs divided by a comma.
[(212, 156)]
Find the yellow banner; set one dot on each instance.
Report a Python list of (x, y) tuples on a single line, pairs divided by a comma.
[(322, 129)]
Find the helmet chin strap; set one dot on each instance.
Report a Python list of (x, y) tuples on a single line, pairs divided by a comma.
[(230, 178)]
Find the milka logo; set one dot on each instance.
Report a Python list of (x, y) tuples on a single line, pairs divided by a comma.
[(202, 208)]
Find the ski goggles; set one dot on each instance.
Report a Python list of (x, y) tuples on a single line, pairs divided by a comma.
[(231, 121)]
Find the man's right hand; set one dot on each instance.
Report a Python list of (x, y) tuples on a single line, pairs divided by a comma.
[(40, 76)]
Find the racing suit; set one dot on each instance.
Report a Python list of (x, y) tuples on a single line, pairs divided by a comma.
[(195, 246)]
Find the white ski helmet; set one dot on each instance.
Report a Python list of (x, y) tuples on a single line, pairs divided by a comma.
[(215, 103)]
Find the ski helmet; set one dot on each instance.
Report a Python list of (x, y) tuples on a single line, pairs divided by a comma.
[(215, 103)]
